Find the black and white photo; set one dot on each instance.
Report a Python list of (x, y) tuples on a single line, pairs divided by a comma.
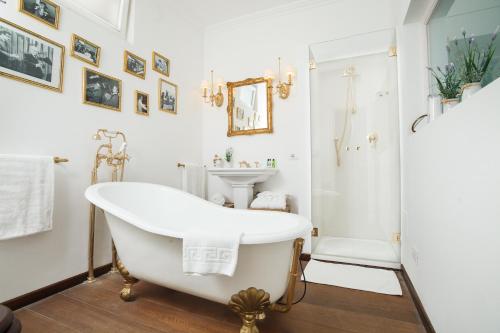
[(161, 64), (29, 57), (167, 95), (141, 103), (101, 90), (85, 50), (134, 65), (43, 10)]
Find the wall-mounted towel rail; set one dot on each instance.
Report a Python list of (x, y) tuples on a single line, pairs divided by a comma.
[(417, 121), (60, 160)]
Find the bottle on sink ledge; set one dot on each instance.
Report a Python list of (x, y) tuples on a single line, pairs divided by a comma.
[(217, 161)]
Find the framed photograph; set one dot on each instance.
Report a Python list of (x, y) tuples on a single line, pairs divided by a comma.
[(167, 96), (101, 90), (29, 57), (134, 65), (85, 51), (161, 64), (43, 10), (141, 102)]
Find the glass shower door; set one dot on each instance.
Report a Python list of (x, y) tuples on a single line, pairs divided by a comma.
[(355, 160)]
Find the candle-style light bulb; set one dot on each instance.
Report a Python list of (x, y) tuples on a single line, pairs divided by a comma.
[(279, 69)]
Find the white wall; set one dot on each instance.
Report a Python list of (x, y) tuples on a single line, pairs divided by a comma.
[(449, 194), (246, 48), (38, 121), (453, 186)]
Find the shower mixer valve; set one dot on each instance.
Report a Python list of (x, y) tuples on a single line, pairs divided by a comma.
[(372, 138)]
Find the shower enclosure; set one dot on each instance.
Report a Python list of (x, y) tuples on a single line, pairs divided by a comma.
[(355, 150)]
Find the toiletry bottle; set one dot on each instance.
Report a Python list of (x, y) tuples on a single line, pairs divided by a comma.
[(268, 162), (274, 163)]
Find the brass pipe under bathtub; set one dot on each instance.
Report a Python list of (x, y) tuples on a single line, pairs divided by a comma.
[(117, 163), (298, 244)]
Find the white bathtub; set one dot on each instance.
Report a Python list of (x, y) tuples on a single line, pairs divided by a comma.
[(148, 221)]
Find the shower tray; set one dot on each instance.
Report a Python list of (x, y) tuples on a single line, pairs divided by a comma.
[(357, 251)]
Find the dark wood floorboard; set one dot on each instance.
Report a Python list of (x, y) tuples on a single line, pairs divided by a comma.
[(97, 307)]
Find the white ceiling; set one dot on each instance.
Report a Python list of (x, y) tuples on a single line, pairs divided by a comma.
[(216, 11)]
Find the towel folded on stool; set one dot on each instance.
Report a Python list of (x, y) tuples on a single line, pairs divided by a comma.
[(269, 200)]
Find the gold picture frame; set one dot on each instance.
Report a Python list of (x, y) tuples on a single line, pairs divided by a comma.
[(231, 108), (136, 103), (165, 72), (99, 98), (33, 12), (126, 69), (26, 77), (161, 94), (74, 53)]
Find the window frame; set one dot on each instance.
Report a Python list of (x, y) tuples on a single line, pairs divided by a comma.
[(123, 19)]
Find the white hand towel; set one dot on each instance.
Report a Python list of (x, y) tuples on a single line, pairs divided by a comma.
[(26, 195), (193, 179), (210, 253)]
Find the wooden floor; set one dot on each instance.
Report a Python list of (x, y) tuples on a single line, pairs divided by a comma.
[(97, 307)]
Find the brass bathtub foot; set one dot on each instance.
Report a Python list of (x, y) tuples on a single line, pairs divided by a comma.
[(250, 305), (128, 282)]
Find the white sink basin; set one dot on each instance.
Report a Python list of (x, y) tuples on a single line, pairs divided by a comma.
[(243, 176), (242, 180)]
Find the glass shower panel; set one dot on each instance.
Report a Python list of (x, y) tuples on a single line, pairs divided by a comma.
[(356, 189)]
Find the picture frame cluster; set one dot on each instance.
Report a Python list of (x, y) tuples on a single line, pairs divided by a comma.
[(34, 59)]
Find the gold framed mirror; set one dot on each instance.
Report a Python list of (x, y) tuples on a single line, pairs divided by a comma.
[(250, 107)]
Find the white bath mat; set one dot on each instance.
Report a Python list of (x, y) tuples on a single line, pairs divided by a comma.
[(354, 277)]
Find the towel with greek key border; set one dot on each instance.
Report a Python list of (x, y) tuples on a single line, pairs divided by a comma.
[(210, 253)]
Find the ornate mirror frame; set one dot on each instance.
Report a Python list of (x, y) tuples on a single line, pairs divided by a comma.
[(230, 106)]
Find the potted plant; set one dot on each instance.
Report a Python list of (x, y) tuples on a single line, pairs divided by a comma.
[(474, 62), (448, 83), (228, 157)]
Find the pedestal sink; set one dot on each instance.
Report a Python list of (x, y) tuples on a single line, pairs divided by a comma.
[(242, 181)]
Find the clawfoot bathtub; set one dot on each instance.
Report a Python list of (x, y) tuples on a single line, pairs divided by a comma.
[(148, 221)]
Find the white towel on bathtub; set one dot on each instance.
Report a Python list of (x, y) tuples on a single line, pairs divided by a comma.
[(210, 253)]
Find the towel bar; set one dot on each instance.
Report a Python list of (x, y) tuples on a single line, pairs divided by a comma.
[(181, 165), (60, 160)]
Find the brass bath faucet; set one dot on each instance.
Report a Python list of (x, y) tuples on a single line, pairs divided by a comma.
[(117, 163)]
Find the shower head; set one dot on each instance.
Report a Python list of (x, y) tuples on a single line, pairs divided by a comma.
[(122, 148)]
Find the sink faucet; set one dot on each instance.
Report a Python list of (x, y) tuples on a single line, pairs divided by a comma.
[(244, 164)]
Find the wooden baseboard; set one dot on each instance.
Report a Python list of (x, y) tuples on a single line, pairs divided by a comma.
[(35, 296), (418, 304)]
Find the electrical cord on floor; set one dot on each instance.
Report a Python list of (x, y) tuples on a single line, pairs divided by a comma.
[(305, 287)]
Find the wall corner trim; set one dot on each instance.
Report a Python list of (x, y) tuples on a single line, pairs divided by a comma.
[(418, 304)]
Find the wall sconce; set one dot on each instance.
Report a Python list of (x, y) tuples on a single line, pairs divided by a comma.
[(216, 99), (282, 88)]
